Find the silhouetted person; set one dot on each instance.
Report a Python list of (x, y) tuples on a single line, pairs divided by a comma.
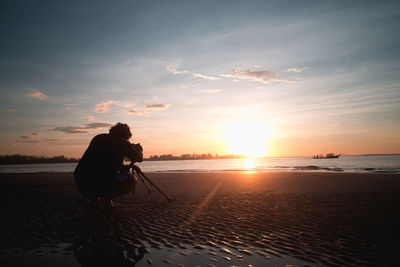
[(101, 172)]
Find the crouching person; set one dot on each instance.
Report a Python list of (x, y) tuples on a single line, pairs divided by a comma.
[(101, 174)]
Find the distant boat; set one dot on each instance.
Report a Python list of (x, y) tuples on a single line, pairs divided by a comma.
[(328, 156)]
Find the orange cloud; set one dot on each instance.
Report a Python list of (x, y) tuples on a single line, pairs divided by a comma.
[(133, 111), (104, 107), (259, 76), (157, 106), (88, 118), (37, 95)]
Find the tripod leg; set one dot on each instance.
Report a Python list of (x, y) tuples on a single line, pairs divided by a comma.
[(144, 182), (156, 187)]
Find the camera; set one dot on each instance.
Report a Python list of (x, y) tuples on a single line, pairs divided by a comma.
[(137, 147)]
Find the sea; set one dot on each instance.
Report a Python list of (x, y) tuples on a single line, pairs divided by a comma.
[(364, 163)]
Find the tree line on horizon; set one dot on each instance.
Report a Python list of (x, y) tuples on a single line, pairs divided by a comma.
[(25, 159), (194, 156)]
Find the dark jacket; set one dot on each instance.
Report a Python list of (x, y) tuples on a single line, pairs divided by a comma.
[(102, 160)]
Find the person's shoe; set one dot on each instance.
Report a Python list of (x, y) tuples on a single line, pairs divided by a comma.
[(107, 203)]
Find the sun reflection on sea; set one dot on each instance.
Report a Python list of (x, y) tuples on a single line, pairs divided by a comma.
[(249, 165)]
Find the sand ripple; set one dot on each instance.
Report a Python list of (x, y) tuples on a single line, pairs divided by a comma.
[(345, 229)]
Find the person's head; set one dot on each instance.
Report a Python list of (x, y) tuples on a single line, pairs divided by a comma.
[(121, 130)]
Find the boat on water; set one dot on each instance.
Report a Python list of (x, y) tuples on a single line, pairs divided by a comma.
[(327, 156)]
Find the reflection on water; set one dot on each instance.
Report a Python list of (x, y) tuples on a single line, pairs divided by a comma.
[(249, 164), (377, 163)]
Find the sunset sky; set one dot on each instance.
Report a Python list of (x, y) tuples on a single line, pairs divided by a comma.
[(264, 78)]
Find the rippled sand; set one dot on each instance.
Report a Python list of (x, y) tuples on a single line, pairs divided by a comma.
[(218, 219)]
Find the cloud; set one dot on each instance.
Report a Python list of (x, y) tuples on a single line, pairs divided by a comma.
[(104, 107), (97, 125), (70, 130), (88, 118), (209, 91), (53, 141), (259, 76), (69, 106), (129, 105), (185, 86), (206, 77), (28, 139), (157, 106), (24, 141), (297, 70), (11, 110), (37, 95), (133, 111), (197, 75), (81, 130), (29, 136), (175, 71)]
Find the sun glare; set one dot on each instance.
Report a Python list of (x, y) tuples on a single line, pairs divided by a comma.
[(247, 137), (249, 164)]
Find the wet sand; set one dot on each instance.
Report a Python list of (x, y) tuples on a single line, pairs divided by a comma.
[(219, 219)]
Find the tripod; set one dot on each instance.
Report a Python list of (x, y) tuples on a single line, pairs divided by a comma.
[(143, 177)]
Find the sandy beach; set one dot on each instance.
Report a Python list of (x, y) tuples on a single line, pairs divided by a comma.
[(218, 219)]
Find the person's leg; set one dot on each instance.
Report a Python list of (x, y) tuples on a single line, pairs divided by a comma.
[(124, 184), (85, 187)]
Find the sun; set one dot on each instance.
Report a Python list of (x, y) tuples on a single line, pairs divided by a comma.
[(247, 137)]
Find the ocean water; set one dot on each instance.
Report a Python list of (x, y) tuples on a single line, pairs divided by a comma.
[(371, 163)]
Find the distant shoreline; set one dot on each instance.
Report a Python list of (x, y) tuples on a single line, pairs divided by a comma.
[(24, 159)]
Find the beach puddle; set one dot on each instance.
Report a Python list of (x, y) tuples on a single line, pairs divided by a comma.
[(211, 256), (61, 255)]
